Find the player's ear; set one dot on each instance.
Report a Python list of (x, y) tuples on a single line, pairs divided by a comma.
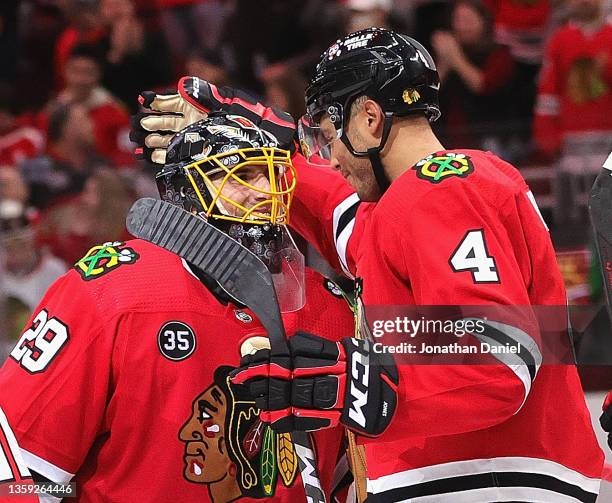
[(375, 118)]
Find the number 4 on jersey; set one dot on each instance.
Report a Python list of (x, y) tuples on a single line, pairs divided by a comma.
[(472, 255)]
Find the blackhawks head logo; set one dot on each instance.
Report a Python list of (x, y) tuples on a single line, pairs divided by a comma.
[(436, 168), (104, 258), (230, 450)]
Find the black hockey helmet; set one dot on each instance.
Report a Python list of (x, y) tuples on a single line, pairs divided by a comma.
[(207, 156), (393, 69), (222, 155)]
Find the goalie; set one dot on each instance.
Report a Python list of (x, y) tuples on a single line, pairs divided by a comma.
[(121, 378)]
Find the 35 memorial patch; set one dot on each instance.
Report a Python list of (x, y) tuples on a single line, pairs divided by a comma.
[(436, 168), (104, 258)]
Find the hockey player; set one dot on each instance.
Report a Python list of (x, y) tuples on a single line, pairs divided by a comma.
[(121, 380), (420, 225)]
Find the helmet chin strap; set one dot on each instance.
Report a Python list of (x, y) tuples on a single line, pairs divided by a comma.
[(373, 154)]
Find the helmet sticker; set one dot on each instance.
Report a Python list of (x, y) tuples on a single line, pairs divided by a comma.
[(334, 51), (349, 44), (193, 137), (410, 96), (435, 168), (358, 41)]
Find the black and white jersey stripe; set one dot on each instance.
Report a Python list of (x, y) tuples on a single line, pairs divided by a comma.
[(528, 359), (501, 479), (343, 224)]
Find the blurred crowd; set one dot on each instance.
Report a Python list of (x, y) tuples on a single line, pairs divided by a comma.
[(528, 79)]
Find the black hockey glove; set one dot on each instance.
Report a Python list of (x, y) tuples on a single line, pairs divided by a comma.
[(606, 418), (165, 114), (322, 383)]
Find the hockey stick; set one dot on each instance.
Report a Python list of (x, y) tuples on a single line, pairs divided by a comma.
[(236, 269), (600, 209), (239, 272)]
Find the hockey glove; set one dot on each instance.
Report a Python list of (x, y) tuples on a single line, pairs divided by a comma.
[(165, 114), (606, 418), (322, 383)]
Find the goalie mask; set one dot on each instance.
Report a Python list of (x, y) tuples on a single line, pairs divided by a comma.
[(232, 173)]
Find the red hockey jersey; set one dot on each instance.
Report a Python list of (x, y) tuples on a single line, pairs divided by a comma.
[(461, 228), (575, 86), (121, 382)]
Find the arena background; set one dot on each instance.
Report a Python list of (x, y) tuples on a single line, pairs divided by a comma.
[(71, 71)]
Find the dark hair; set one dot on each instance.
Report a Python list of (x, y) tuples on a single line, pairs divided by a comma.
[(211, 57), (7, 97), (88, 51)]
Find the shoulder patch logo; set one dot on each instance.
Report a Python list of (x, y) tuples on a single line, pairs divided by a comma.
[(104, 258), (435, 168), (176, 340)]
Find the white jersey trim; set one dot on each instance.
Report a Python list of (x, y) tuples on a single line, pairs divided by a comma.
[(446, 471), (48, 470), (525, 364), (14, 448), (342, 236), (498, 494), (608, 163), (532, 200)]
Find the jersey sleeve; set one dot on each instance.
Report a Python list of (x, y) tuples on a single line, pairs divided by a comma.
[(459, 252), (14, 473), (55, 383), (327, 212)]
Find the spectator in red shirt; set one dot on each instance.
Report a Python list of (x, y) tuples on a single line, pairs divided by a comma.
[(17, 141), (475, 74), (523, 26), (109, 116), (573, 114), (61, 173), (86, 26), (95, 216)]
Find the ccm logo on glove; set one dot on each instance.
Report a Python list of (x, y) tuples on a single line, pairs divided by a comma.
[(322, 383)]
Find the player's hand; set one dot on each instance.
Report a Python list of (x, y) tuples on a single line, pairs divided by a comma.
[(164, 114), (322, 383), (606, 418)]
